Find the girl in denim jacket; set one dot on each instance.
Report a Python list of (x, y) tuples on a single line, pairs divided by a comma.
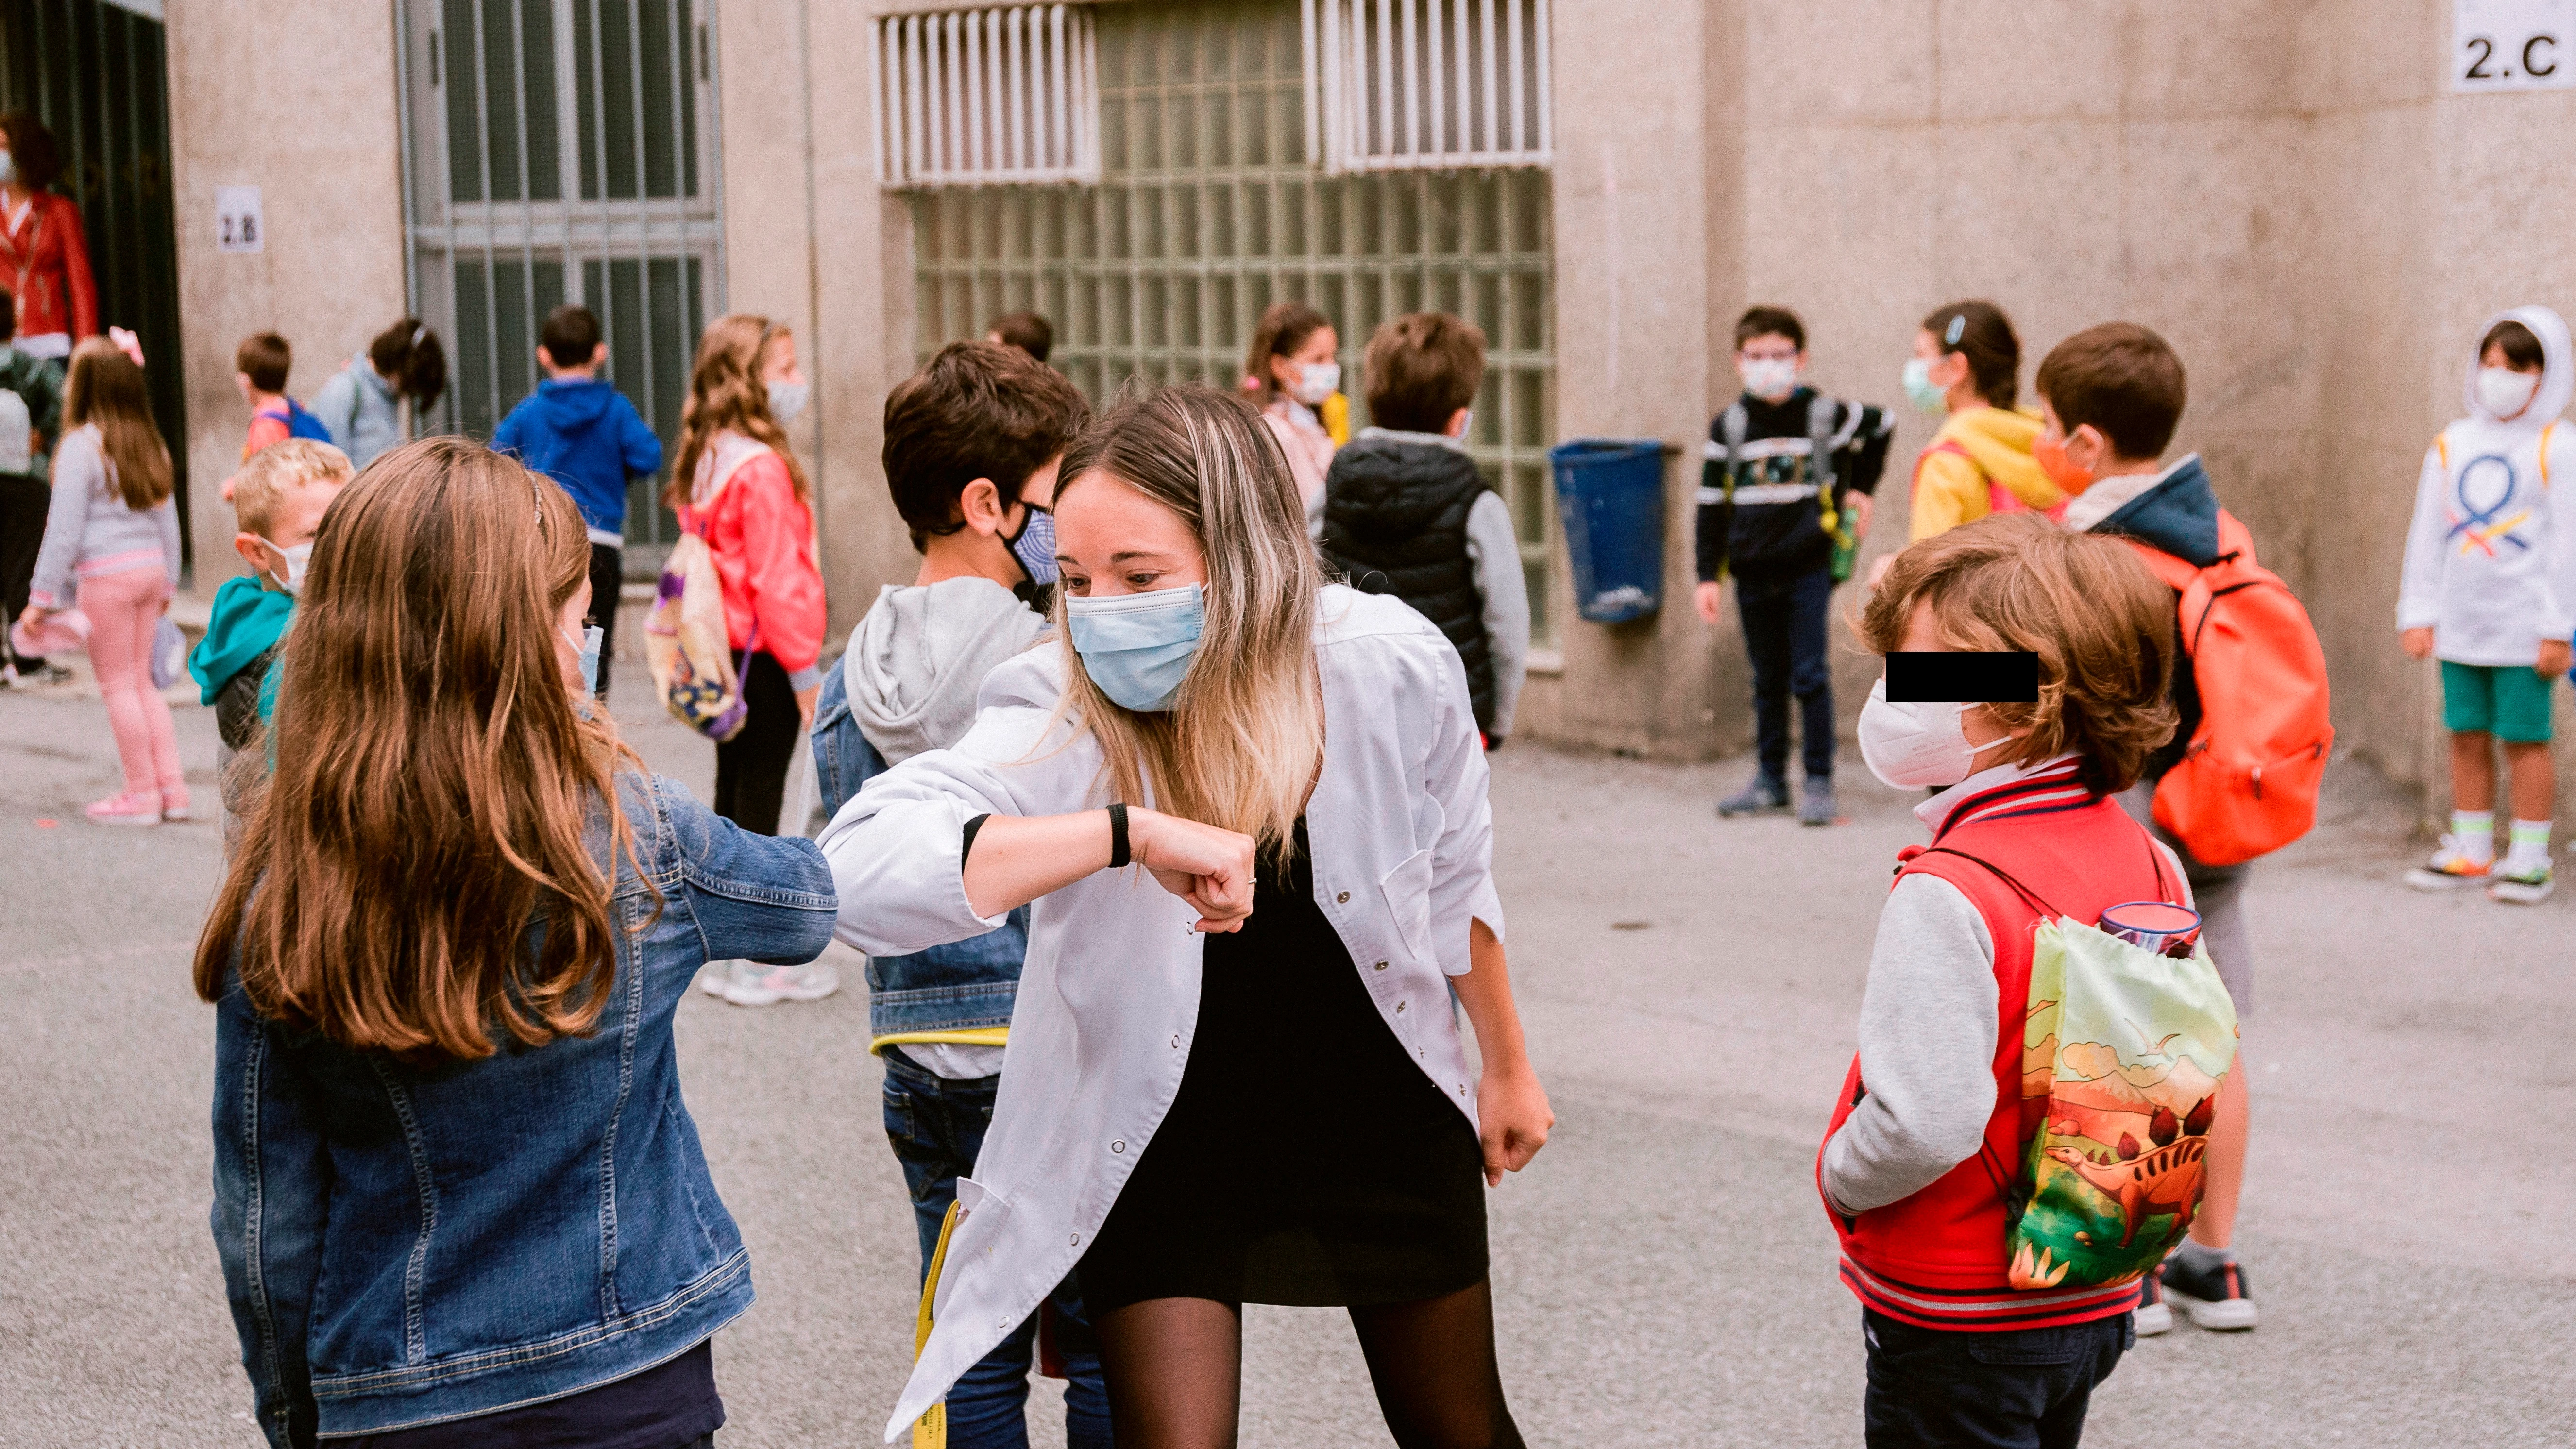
[(457, 1195)]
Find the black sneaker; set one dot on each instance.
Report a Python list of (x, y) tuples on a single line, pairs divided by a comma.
[(2215, 1299), (2154, 1314), (1767, 795)]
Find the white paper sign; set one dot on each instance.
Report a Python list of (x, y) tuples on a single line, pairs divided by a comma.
[(2513, 45), (237, 222)]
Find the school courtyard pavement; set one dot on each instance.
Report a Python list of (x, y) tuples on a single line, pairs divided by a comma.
[(1663, 1271)]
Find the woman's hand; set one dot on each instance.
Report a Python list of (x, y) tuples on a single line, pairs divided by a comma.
[(1209, 867), (2418, 643), (1512, 1117)]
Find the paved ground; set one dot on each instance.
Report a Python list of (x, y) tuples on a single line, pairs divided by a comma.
[(1664, 1273)]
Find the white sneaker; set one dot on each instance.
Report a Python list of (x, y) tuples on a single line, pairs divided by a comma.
[(715, 976), (757, 985)]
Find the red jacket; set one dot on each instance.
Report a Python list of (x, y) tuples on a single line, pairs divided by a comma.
[(45, 262), (762, 536), (1939, 1258)]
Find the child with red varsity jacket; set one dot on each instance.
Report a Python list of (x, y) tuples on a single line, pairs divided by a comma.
[(1920, 1165)]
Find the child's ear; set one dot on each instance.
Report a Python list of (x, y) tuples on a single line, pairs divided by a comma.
[(253, 552), (599, 355), (980, 504)]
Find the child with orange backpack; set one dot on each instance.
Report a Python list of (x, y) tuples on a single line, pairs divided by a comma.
[(2490, 590), (2240, 776)]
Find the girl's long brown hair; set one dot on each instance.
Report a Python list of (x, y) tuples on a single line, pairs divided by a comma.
[(726, 391), (106, 388), (433, 778), (1283, 328)]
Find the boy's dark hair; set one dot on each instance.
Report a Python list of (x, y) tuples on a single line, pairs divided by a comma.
[(2521, 349), (409, 353), (31, 149), (1768, 322), (1979, 331), (1422, 367), (1026, 331), (2121, 378), (977, 411), (266, 358), (571, 335)]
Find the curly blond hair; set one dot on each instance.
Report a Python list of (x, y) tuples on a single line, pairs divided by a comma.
[(2101, 624)]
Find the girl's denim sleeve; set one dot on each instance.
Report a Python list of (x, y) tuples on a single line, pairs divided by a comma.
[(272, 1200), (765, 898)]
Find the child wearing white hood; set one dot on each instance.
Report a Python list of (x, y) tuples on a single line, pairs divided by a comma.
[(2490, 589)]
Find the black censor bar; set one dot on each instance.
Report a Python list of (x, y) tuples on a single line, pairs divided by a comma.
[(1932, 676)]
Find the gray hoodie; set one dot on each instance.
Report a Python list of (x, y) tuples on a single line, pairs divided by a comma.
[(360, 409), (916, 661)]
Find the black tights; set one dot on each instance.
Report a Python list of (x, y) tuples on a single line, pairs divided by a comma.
[(1175, 1371)]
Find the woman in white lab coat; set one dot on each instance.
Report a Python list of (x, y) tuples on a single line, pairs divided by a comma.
[(1233, 1075)]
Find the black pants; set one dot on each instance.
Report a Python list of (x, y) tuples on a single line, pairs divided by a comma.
[(607, 578), (23, 501), (1784, 632), (751, 768), (2026, 1389)]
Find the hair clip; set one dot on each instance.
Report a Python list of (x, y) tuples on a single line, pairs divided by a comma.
[(127, 343), (1958, 328)]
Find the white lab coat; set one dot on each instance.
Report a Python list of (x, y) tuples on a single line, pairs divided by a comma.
[(1402, 836)]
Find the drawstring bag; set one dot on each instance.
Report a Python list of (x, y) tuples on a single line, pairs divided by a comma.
[(169, 654), (2125, 1049), (685, 635)]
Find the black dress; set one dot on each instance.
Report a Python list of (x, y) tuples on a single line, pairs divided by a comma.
[(1306, 1160)]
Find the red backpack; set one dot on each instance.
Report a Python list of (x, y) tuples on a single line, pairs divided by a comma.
[(2248, 782)]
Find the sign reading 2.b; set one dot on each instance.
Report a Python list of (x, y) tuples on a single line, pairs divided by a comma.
[(2513, 45)]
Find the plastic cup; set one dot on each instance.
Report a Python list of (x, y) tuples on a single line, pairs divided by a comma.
[(2158, 926)]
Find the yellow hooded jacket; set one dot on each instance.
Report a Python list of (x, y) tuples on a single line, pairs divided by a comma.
[(1976, 449)]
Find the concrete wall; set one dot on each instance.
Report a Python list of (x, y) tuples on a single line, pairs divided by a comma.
[(327, 165)]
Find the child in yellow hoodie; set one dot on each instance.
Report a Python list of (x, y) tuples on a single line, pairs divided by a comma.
[(1967, 363)]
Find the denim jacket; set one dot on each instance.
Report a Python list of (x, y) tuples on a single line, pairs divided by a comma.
[(929, 995), (405, 1245)]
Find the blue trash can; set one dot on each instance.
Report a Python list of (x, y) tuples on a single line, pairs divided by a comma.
[(1610, 498)]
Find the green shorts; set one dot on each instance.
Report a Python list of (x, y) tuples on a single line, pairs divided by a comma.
[(2509, 701)]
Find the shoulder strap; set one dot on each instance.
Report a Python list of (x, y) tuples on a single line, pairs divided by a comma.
[(2544, 451), (2025, 892), (1822, 414), (1732, 425)]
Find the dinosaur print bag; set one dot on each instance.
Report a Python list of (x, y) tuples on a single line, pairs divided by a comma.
[(2125, 1049)]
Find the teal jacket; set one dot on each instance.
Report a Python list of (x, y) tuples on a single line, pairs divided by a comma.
[(231, 661)]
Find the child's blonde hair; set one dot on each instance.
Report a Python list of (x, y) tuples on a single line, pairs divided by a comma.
[(2101, 624), (260, 488)]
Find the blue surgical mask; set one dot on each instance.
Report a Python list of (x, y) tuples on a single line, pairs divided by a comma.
[(590, 641), (1138, 647), (1034, 545), (1921, 390)]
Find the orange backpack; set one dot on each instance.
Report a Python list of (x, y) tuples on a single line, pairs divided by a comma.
[(2248, 782)]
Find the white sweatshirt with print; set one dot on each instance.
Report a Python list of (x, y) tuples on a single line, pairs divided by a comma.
[(2491, 555)]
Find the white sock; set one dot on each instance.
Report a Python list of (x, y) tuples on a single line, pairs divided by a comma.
[(2530, 847), (2473, 831)]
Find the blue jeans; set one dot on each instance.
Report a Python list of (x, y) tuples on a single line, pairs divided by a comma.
[(1784, 632), (937, 1126), (2020, 1389)]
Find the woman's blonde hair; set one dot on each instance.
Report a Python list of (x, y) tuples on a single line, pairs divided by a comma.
[(727, 393), (434, 780), (105, 387), (1241, 744), (2101, 624)]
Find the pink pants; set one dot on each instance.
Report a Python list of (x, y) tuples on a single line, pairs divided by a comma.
[(124, 610)]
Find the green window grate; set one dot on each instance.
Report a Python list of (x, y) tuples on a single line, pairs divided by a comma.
[(1209, 209)]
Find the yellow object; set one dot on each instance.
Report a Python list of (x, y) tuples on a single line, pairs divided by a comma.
[(1336, 413), (930, 1431), (1951, 489), (963, 1036)]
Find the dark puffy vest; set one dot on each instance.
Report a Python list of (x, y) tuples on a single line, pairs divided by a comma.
[(1395, 522)]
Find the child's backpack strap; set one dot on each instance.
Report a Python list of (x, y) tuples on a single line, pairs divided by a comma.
[(1822, 414), (1732, 425), (2026, 893), (2544, 451)]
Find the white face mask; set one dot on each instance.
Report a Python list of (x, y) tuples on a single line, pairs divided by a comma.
[(1769, 378), (786, 400), (1917, 746), (1316, 381), (295, 560), (8, 167), (2505, 392)]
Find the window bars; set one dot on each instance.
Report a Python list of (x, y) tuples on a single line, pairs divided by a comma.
[(1413, 84), (1006, 93), (563, 151)]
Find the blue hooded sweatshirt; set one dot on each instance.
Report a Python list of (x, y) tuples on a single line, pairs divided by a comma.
[(585, 435)]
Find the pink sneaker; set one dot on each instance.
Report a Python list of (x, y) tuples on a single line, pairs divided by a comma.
[(174, 805), (133, 807)]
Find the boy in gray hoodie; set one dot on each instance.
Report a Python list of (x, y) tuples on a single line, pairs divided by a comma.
[(971, 447)]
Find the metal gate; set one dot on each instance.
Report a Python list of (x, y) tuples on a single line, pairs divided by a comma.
[(95, 74), (564, 151)]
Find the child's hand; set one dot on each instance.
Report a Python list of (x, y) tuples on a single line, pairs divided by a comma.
[(2553, 658), (1705, 597), (2418, 644)]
